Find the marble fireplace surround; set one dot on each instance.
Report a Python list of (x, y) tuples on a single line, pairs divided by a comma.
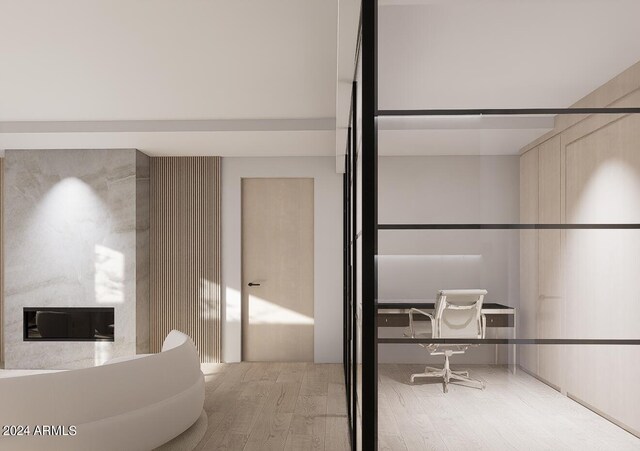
[(76, 235)]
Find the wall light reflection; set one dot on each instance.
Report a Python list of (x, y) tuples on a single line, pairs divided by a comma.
[(109, 275), (265, 312)]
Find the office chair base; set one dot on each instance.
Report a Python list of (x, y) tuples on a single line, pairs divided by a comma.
[(448, 375)]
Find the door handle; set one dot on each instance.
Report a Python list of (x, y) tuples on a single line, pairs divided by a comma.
[(251, 284)]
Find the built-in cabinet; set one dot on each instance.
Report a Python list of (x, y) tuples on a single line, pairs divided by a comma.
[(602, 158), (584, 283), (550, 293), (528, 311), (541, 282)]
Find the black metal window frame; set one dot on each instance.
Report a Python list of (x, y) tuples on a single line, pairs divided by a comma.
[(350, 237), (353, 165), (369, 52), (349, 286)]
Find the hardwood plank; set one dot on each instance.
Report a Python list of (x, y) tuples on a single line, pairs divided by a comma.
[(336, 399), (315, 383), (283, 397), (262, 406), (303, 443), (227, 441), (216, 421), (337, 434), (255, 372), (514, 412), (419, 432), (293, 372), (311, 405), (270, 432), (335, 373), (307, 432), (391, 443)]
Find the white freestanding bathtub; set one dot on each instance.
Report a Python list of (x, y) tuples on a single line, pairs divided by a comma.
[(135, 403)]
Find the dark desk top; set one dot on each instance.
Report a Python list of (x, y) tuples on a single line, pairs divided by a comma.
[(416, 303)]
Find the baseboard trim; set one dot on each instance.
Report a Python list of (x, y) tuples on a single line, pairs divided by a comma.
[(618, 423), (583, 403), (541, 379)]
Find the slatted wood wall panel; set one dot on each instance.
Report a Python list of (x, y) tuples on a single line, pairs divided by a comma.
[(185, 252)]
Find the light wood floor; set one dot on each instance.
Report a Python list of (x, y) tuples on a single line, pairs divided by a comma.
[(514, 412), (275, 406)]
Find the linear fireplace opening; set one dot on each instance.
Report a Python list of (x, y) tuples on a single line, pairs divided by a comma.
[(69, 324)]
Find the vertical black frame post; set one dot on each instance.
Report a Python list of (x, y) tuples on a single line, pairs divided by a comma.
[(346, 272), (369, 225), (348, 285), (354, 262)]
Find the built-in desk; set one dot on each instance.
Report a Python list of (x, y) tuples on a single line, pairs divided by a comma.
[(395, 313)]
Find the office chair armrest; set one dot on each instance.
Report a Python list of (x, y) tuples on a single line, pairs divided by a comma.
[(415, 310)]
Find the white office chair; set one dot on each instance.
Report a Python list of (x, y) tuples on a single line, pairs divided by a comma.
[(457, 314)]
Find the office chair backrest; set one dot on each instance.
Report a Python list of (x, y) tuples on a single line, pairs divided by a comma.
[(458, 314)]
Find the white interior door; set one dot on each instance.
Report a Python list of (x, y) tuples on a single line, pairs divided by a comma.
[(277, 269)]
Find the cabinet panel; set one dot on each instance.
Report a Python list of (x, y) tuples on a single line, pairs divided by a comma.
[(603, 186), (528, 259), (550, 296)]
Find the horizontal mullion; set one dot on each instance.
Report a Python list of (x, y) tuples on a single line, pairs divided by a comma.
[(509, 341), (507, 111), (504, 226)]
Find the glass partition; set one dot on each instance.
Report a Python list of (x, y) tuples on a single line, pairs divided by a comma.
[(479, 54), (501, 145), (551, 231), (353, 339), (574, 402)]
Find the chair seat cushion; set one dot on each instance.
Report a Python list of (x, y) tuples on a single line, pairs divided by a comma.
[(421, 330)]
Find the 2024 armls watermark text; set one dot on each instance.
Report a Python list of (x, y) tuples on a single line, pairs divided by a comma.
[(47, 430)]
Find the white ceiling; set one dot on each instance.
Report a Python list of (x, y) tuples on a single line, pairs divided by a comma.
[(496, 54), (240, 78), (168, 60)]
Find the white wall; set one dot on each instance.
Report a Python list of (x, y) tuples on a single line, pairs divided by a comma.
[(415, 264), (327, 253)]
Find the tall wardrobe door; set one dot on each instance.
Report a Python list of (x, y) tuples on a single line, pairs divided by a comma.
[(603, 287), (550, 286), (528, 259)]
